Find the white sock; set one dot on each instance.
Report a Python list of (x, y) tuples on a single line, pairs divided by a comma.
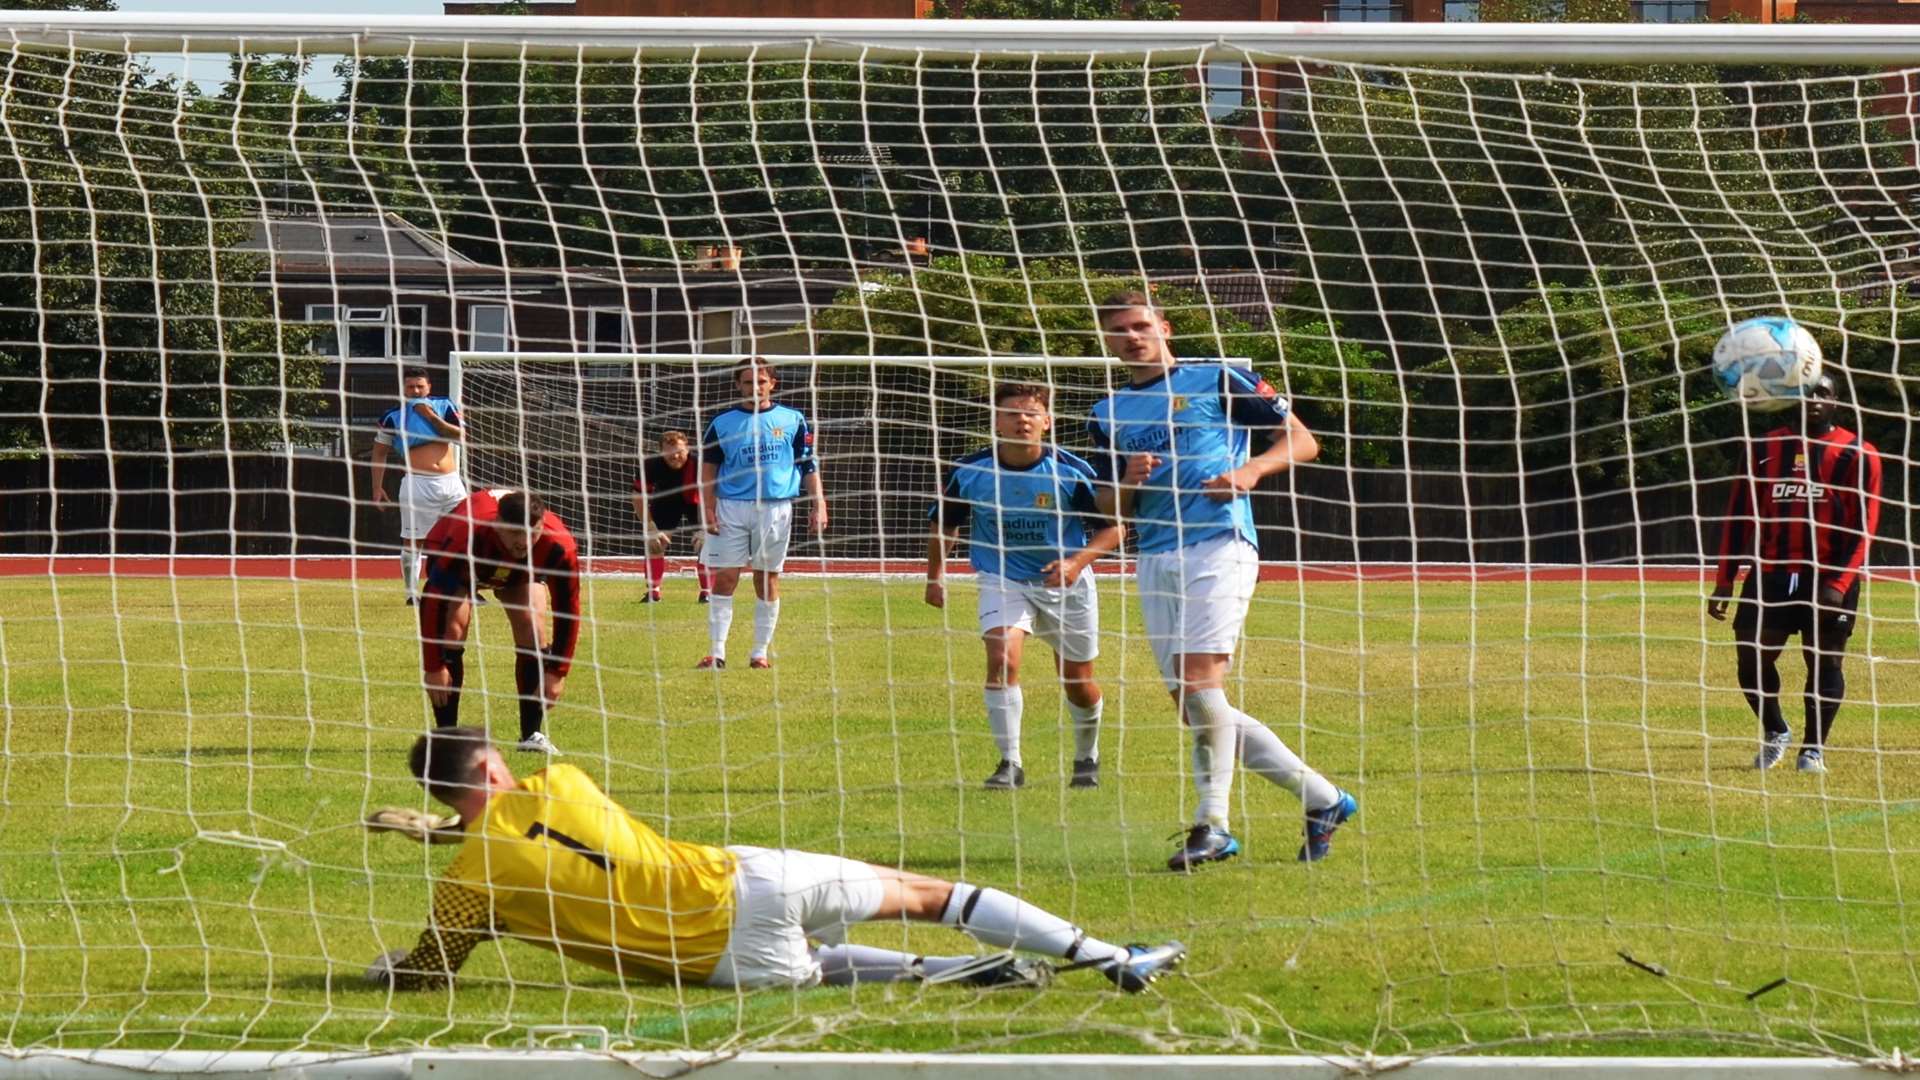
[(1216, 736), (1003, 716), (842, 965), (410, 570), (719, 621), (1086, 730), (766, 616), (1007, 922), (1265, 754)]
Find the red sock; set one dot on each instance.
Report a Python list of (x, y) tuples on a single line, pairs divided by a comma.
[(656, 569), (706, 578)]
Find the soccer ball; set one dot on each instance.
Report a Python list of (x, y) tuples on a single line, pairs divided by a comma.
[(1767, 364)]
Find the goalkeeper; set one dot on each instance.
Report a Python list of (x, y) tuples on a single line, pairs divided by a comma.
[(553, 861)]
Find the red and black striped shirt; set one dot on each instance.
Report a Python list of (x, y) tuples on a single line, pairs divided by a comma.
[(464, 556), (1806, 505)]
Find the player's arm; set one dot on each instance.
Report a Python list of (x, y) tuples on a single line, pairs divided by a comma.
[(712, 456), (447, 427), (1736, 531), (1253, 402), (1103, 536), (381, 442), (462, 919), (945, 518), (561, 575), (1117, 479), (640, 510), (1859, 492), (804, 461)]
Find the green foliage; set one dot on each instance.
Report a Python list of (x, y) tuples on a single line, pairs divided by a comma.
[(137, 323)]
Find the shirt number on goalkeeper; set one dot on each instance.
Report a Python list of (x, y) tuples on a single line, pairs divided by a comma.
[(539, 829)]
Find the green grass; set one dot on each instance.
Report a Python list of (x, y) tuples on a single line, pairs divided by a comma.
[(1544, 784)]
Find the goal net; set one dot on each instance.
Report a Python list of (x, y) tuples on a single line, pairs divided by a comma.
[(1490, 291)]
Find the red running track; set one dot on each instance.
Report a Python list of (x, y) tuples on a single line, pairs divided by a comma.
[(385, 567)]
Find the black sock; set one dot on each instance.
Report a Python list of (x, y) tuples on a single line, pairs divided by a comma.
[(533, 706), (1760, 681), (1826, 686), (448, 715)]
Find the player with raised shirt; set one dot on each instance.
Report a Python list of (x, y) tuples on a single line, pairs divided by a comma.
[(666, 499), (1174, 447), (553, 861), (510, 543), (1802, 518), (1025, 502), (426, 430), (755, 460)]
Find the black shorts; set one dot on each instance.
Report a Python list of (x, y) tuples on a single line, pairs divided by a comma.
[(669, 515), (1782, 605)]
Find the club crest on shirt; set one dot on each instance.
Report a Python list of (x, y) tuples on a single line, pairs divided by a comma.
[(1179, 403), (1042, 500), (777, 433), (1799, 463)]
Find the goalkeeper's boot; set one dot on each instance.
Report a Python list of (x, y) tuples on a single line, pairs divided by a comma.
[(1320, 826), (1002, 972), (538, 743), (1006, 776), (712, 663), (1772, 750), (759, 663), (1205, 844), (1086, 773), (1143, 964), (1811, 761)]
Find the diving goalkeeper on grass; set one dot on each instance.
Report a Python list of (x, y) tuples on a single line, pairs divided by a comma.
[(553, 861)]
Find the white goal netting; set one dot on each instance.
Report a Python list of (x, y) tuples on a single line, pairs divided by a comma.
[(1492, 294)]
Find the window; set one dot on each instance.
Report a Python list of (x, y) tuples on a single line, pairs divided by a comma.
[(488, 328), (1669, 11), (370, 333), (1463, 11), (609, 331), (778, 330), (1225, 88), (1363, 11)]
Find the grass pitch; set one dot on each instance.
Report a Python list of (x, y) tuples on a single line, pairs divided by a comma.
[(1549, 775)]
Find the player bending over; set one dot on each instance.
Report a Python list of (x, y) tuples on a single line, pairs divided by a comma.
[(1805, 512), (754, 460), (509, 542), (426, 430), (666, 499), (1025, 501), (553, 861), (1173, 444)]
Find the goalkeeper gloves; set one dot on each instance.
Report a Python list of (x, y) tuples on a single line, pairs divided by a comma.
[(417, 825)]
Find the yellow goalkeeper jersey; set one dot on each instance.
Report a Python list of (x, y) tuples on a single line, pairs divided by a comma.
[(557, 863)]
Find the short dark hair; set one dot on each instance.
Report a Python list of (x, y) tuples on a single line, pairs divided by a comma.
[(522, 509), (416, 373), (1007, 391), (674, 438), (448, 761), (752, 362), (1116, 302)]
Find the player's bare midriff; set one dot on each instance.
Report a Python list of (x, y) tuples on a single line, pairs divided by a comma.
[(435, 458)]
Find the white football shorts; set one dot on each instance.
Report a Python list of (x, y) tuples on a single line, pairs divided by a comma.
[(780, 899), (1194, 599), (425, 499), (1067, 619), (752, 534)]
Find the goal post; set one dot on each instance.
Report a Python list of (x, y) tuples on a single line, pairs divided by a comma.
[(1485, 266)]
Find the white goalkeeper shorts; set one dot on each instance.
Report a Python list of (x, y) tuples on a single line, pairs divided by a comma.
[(1067, 619), (425, 499), (1194, 599), (781, 898), (752, 534)]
